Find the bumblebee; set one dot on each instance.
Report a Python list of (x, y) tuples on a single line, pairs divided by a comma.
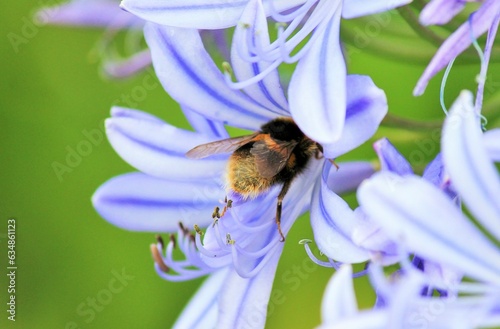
[(274, 155)]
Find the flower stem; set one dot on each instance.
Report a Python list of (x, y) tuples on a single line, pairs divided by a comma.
[(395, 121), (409, 16)]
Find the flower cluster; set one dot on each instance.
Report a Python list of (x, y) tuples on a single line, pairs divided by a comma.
[(457, 274), (413, 223)]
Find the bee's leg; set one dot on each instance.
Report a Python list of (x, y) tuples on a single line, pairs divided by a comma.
[(281, 196), (319, 155), (334, 163)]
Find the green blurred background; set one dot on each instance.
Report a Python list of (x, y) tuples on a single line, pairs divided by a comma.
[(51, 93)]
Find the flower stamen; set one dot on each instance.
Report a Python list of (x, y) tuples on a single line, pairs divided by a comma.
[(331, 263), (158, 259), (159, 239), (229, 241)]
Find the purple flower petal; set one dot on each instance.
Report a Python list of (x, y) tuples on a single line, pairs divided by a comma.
[(339, 301), (201, 311), (205, 126), (358, 8), (158, 149), (491, 141), (349, 176), (458, 42), (93, 13), (366, 107), (438, 12), (139, 202), (253, 29), (127, 67), (252, 226), (434, 172), (207, 14), (122, 112), (190, 76), (243, 302), (466, 159), (370, 235), (390, 158), (333, 222), (317, 91), (418, 216)]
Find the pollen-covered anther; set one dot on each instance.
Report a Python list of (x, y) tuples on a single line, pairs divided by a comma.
[(173, 240), (216, 213), (158, 259), (198, 230), (229, 241), (229, 204), (159, 239), (181, 226), (226, 67), (184, 230)]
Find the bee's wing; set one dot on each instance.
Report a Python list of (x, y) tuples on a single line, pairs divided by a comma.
[(223, 146), (271, 156)]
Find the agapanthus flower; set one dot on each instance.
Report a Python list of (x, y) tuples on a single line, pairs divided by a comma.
[(424, 220), (406, 308), (240, 251), (319, 80), (485, 19), (351, 236)]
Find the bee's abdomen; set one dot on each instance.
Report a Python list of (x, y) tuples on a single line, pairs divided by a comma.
[(242, 174)]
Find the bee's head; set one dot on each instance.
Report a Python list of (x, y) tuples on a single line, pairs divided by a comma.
[(283, 129)]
